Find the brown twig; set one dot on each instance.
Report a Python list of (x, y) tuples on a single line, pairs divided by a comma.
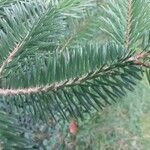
[(137, 59)]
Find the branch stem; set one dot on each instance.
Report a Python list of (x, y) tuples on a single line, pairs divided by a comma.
[(9, 58), (59, 85), (128, 29)]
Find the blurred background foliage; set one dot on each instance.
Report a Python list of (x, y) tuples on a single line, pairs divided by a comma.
[(122, 126)]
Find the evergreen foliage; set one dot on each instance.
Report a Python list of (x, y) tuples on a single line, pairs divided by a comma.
[(63, 59)]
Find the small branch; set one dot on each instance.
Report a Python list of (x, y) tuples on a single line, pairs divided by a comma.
[(9, 58), (21, 45), (128, 30), (72, 36), (66, 43), (57, 86), (137, 61), (72, 82), (13, 53)]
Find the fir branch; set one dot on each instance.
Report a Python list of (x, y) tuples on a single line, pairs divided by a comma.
[(9, 58), (72, 36), (24, 41), (12, 54), (78, 80), (60, 85)]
